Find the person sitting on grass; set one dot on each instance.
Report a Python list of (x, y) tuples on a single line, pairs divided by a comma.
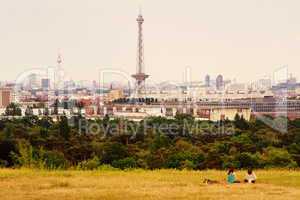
[(231, 178), (250, 177)]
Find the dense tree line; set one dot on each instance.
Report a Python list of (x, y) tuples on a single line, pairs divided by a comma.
[(156, 142)]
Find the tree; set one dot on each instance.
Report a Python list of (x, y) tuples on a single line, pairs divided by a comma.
[(125, 163), (277, 157), (13, 109), (55, 107), (240, 122), (6, 148), (9, 131), (29, 111), (113, 151), (247, 160), (64, 129)]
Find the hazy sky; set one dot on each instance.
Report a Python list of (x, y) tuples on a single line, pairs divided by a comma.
[(242, 39)]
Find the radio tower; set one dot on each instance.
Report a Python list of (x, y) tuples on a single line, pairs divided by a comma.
[(59, 73), (59, 60), (140, 75)]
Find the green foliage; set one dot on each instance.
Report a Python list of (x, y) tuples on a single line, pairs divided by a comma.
[(52, 159), (42, 143), (9, 131), (125, 163), (3, 163), (30, 157), (276, 157), (64, 129), (13, 109), (240, 122), (160, 141), (189, 165), (90, 164), (185, 160), (184, 117), (247, 160), (24, 157), (113, 151)]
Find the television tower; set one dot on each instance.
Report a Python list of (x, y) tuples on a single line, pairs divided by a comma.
[(59, 73), (59, 60), (140, 75)]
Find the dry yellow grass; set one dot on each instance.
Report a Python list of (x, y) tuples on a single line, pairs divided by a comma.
[(140, 184)]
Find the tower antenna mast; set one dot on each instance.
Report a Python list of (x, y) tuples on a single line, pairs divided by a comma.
[(140, 75)]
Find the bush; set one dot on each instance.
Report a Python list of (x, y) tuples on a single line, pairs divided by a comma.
[(30, 157), (25, 155), (175, 160), (182, 160), (247, 160), (187, 164), (275, 157), (53, 159), (125, 163), (3, 163), (90, 164), (229, 161), (113, 151)]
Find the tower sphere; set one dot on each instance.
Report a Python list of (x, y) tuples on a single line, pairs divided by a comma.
[(140, 19)]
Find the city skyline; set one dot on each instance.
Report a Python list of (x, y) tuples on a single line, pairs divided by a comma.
[(105, 37)]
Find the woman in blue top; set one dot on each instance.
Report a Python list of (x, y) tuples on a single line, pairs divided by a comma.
[(231, 178)]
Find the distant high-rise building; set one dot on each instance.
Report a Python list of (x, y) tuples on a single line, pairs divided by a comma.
[(207, 80), (5, 97), (292, 80), (33, 81), (264, 84), (220, 82), (45, 83)]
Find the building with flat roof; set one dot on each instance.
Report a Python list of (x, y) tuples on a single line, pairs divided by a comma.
[(5, 97)]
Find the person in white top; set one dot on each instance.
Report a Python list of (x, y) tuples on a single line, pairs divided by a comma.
[(250, 177)]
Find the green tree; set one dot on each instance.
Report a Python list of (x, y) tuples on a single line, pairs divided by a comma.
[(13, 109), (64, 129), (125, 163), (277, 157), (113, 151)]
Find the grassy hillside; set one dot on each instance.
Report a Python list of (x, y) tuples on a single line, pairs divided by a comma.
[(140, 184)]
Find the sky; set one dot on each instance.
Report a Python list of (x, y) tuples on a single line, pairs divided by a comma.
[(241, 39)]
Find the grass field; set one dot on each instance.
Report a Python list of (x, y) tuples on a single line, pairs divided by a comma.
[(140, 184)]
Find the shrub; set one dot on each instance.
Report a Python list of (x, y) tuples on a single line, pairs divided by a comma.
[(175, 160), (24, 157), (3, 163), (90, 164), (125, 163), (187, 164), (113, 151), (53, 159), (275, 157), (229, 161), (185, 159), (247, 160)]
